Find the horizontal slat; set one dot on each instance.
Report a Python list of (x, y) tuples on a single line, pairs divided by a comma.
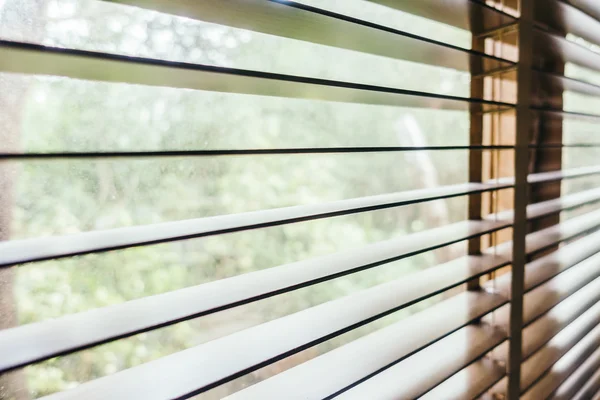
[(27, 250), (541, 270), (371, 354), (35, 59), (34, 342), (559, 146), (544, 297), (418, 374), (558, 114), (542, 360), (583, 383), (497, 391), (469, 383), (541, 177), (563, 18), (547, 324), (538, 303), (543, 329), (553, 83), (571, 294), (203, 367), (590, 7), (466, 14), (564, 367), (550, 49), (302, 22), (591, 388), (550, 265), (544, 208), (241, 152), (541, 299), (549, 237), (541, 240)]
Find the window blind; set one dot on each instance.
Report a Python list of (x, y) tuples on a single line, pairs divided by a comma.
[(514, 314)]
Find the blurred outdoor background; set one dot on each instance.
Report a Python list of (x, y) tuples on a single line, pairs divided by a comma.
[(54, 197)]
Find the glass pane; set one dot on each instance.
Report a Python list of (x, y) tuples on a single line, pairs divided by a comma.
[(65, 115), (97, 25), (68, 371), (49, 114)]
